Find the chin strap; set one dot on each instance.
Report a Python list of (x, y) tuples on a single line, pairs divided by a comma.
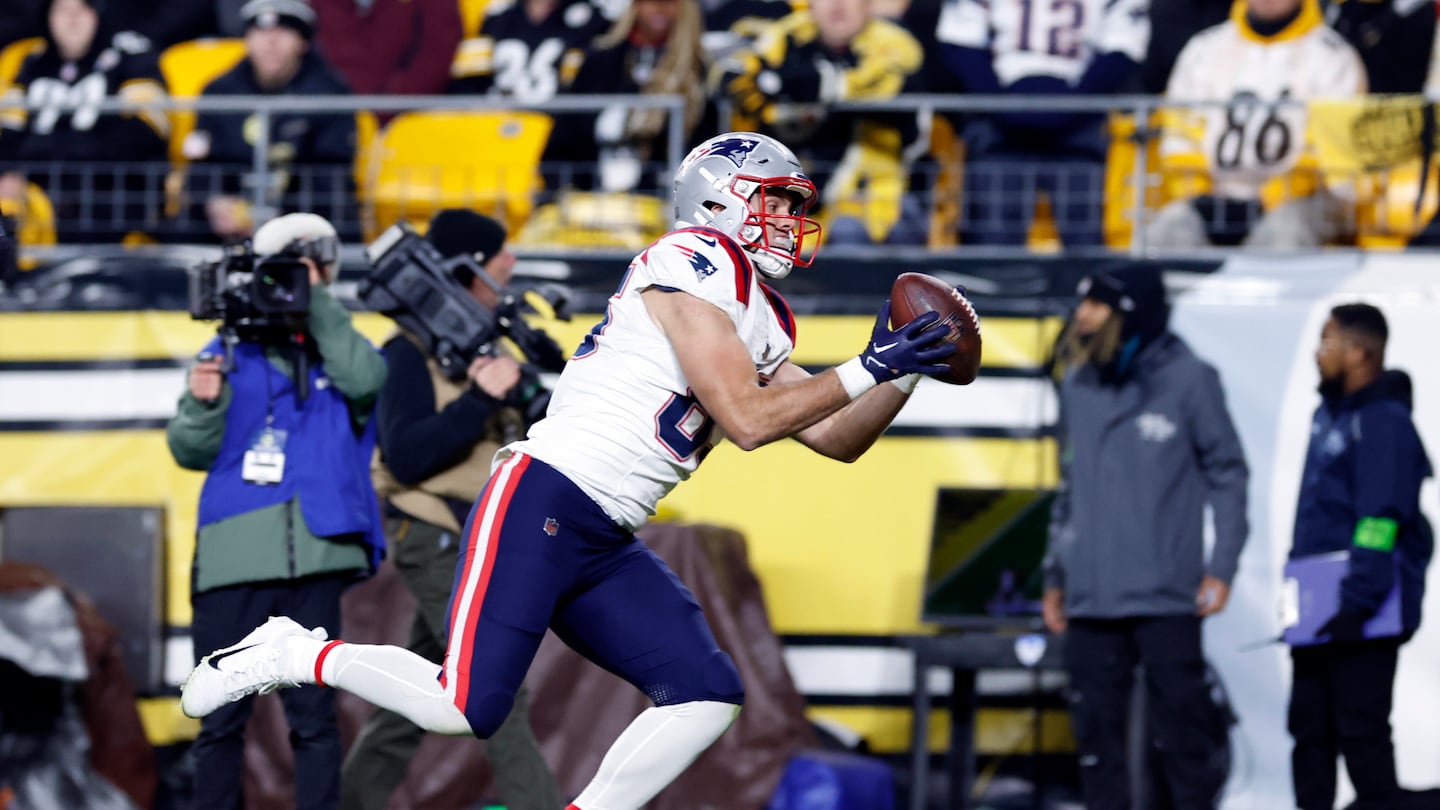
[(768, 263)]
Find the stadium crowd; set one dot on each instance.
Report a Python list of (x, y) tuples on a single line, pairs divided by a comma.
[(1232, 161)]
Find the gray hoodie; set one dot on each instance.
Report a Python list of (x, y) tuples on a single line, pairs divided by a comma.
[(1140, 458)]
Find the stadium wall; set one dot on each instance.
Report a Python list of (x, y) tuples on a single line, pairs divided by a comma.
[(841, 549)]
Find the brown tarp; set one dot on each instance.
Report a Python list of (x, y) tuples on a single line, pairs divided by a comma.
[(119, 750), (576, 707)]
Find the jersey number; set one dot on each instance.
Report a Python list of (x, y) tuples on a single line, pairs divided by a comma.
[(51, 99), (1058, 30), (525, 74), (684, 427), (1253, 127)]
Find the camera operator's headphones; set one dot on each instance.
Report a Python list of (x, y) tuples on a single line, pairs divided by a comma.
[(300, 236)]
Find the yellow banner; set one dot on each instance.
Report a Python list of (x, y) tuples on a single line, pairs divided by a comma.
[(1367, 134)]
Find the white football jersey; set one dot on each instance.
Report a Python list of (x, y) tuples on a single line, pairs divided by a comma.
[(1057, 38), (1253, 139), (623, 423)]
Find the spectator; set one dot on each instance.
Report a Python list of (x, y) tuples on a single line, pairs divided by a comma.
[(1011, 47), (837, 50), (402, 47), (527, 50), (734, 24), (1360, 493), (437, 437), (1394, 38), (311, 154), (1183, 20), (653, 49), (287, 516), (82, 158), (1146, 443), (1217, 161), (163, 22)]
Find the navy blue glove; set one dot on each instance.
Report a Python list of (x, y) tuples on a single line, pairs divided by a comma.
[(915, 348), (1344, 626)]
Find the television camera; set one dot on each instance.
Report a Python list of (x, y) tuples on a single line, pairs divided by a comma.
[(413, 284), (264, 300), (252, 297)]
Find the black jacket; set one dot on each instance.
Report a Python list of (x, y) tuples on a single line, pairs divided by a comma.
[(312, 138), (68, 126), (311, 154)]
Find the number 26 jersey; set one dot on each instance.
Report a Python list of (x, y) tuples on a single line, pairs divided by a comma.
[(623, 423), (1252, 139)]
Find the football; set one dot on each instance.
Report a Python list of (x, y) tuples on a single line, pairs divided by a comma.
[(914, 294)]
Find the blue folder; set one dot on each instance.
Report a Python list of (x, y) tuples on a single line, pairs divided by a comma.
[(1310, 597)]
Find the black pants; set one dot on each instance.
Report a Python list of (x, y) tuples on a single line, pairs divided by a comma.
[(1186, 729), (222, 617), (1340, 706)]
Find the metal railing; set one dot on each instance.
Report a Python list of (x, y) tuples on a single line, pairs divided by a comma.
[(145, 195)]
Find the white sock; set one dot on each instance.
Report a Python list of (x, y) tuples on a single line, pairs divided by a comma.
[(389, 677), (656, 748)]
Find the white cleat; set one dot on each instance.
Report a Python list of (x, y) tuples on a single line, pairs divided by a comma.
[(257, 664)]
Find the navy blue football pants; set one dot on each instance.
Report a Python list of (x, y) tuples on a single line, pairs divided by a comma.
[(539, 553)]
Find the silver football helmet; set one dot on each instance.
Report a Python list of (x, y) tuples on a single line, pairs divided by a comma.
[(722, 183)]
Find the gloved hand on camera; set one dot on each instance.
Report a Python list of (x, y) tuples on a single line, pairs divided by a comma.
[(915, 348)]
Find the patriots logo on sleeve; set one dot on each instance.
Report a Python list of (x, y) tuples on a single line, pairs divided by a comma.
[(704, 268)]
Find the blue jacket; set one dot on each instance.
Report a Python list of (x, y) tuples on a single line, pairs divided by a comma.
[(327, 462), (1363, 471)]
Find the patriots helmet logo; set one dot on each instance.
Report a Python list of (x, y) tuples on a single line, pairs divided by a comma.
[(736, 149)]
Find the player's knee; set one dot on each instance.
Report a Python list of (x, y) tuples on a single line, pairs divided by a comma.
[(712, 678), (722, 679), (487, 712)]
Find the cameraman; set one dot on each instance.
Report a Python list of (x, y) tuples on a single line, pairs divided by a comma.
[(437, 438), (288, 516)]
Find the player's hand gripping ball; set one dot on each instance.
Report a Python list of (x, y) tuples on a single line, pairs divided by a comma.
[(914, 294)]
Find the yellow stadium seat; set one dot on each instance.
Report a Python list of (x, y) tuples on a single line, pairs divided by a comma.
[(13, 56), (367, 126), (596, 220), (948, 151), (471, 13), (1386, 216), (422, 162), (188, 67), (1043, 235), (1118, 222), (35, 221)]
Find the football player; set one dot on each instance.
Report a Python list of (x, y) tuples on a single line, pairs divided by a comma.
[(694, 347)]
